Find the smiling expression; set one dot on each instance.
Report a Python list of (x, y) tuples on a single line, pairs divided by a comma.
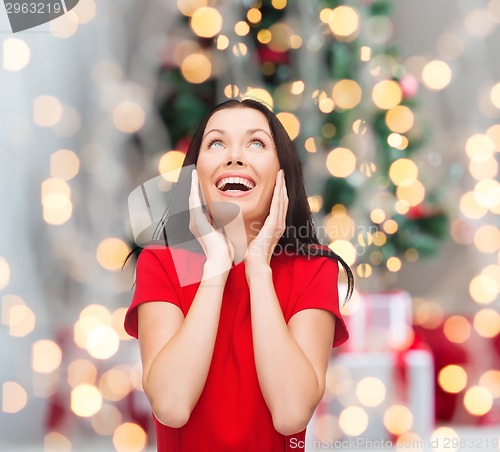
[(238, 162)]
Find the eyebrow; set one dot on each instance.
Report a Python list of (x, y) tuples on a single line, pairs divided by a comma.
[(249, 132)]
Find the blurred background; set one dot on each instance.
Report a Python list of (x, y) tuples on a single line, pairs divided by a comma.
[(394, 108)]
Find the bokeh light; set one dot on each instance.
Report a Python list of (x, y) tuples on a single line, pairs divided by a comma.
[(14, 397), (478, 400), (341, 162), (86, 400), (129, 437), (353, 420), (206, 22), (398, 419), (452, 378)]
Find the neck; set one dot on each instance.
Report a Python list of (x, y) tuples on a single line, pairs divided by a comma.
[(240, 233)]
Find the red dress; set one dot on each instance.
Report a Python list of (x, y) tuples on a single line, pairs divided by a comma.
[(231, 414)]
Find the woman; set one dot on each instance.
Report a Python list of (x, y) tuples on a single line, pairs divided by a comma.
[(238, 360)]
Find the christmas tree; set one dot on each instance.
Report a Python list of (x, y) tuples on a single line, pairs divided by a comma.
[(329, 71)]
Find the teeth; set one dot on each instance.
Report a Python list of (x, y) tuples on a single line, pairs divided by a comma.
[(235, 180)]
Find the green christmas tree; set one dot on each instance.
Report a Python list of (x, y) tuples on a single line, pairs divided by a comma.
[(329, 71)]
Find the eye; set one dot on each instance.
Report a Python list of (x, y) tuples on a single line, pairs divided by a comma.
[(258, 143), (215, 143)]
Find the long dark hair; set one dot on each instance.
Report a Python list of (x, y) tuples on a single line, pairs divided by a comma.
[(300, 233)]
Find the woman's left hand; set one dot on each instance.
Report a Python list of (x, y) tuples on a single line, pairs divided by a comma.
[(260, 249)]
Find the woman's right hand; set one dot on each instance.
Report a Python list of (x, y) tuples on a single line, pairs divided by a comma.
[(217, 248)]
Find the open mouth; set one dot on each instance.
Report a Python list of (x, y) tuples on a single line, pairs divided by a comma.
[(235, 184)]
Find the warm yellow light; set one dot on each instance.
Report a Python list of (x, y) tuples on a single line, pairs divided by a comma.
[(56, 441), (254, 15), (310, 145), (345, 249), (297, 87), (128, 117), (394, 140), (279, 4), (491, 381), (483, 289), (485, 169), (353, 421), (4, 273), (480, 147), (16, 54), (399, 119), (412, 194), (478, 400), (366, 53), (445, 435), (64, 164), (106, 420), (14, 397), (403, 172), (346, 94), (231, 91), (452, 378), (326, 105), (470, 207), (495, 95), (344, 23), (45, 356), (102, 342), (196, 68), (428, 314), (328, 130), (295, 41), (111, 253), (487, 239), (398, 419), (81, 372), (129, 437), (359, 126), (325, 14), (117, 319), (377, 216), (21, 320), (264, 36), (364, 270), (47, 111), (341, 162), (241, 28), (394, 264), (261, 95), (206, 22), (86, 400), (222, 42), (370, 391), (115, 384), (188, 7), (457, 329), (487, 322), (281, 34), (493, 133), (379, 238), (390, 226), (290, 123), (170, 165), (315, 203), (386, 94), (487, 192), (240, 49), (64, 26), (436, 75), (339, 225)]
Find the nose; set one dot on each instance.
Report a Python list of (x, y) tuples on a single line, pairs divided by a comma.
[(235, 156), (238, 162)]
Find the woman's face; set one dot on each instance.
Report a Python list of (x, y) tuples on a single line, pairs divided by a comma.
[(238, 162)]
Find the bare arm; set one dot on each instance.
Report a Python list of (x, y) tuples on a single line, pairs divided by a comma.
[(291, 360), (176, 351)]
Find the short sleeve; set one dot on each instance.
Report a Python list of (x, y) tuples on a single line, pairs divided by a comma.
[(322, 292), (152, 283)]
